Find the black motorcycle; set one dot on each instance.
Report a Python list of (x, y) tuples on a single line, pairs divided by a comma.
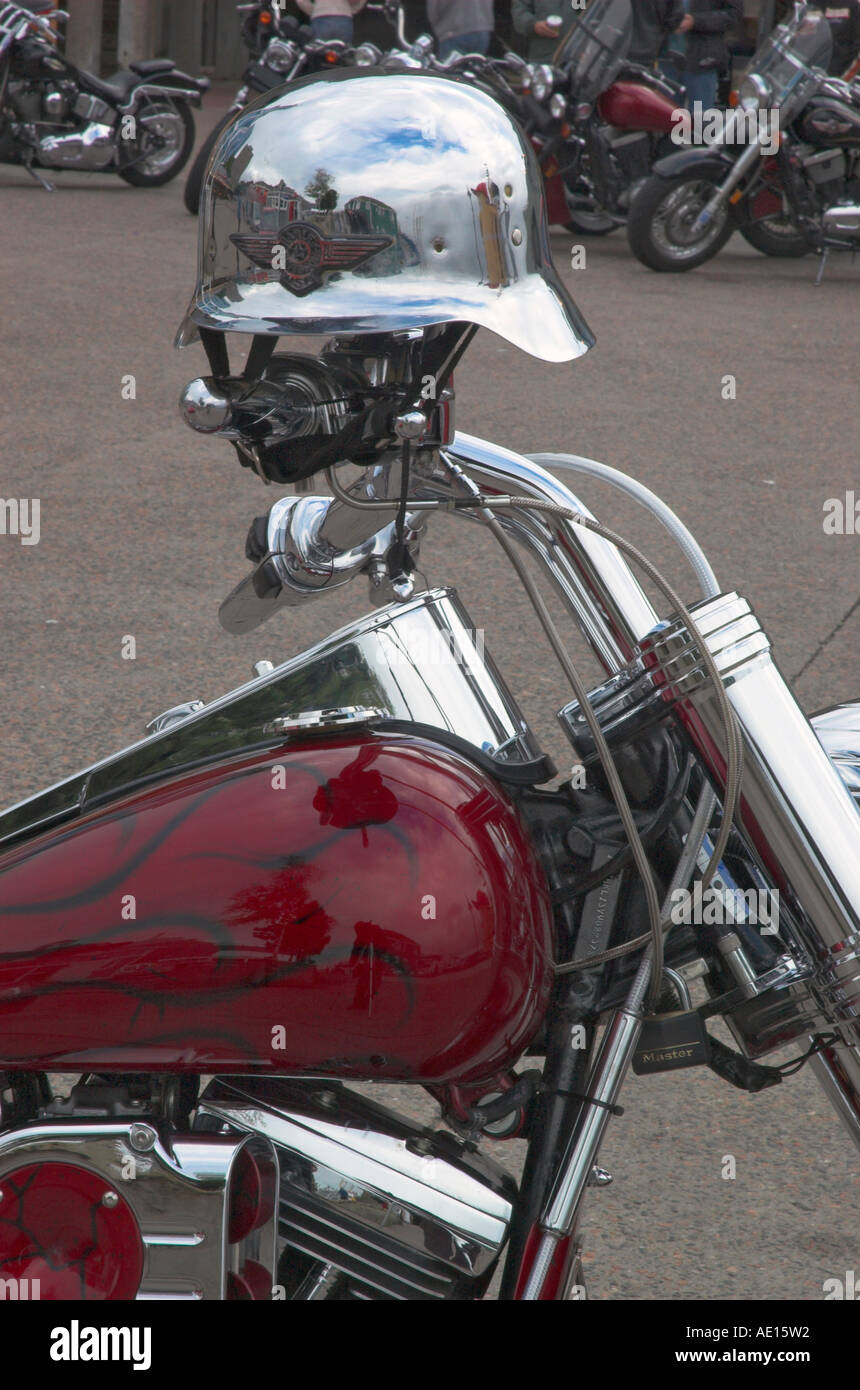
[(786, 174), (54, 115)]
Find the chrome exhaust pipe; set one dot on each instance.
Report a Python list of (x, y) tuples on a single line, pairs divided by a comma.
[(842, 222)]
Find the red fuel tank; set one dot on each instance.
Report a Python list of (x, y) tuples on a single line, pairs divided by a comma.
[(369, 907), (633, 106)]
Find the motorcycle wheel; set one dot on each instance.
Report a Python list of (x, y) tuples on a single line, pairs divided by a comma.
[(194, 182), (590, 224), (163, 164), (660, 226), (775, 236), (583, 221)]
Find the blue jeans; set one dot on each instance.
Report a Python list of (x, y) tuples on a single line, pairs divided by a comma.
[(701, 85), (476, 42), (332, 26)]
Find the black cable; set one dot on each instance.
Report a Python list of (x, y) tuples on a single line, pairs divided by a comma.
[(624, 855), (819, 1044)]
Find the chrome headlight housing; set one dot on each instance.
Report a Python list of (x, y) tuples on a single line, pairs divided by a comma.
[(541, 78), (280, 54), (754, 92), (367, 55), (558, 105)]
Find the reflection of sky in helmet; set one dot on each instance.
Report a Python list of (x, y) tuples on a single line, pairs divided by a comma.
[(419, 143), (408, 138)]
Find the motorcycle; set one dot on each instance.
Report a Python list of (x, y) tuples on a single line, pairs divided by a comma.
[(275, 42), (53, 115), (360, 865), (787, 175), (604, 123)]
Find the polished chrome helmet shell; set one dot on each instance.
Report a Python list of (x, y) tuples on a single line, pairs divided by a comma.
[(368, 202)]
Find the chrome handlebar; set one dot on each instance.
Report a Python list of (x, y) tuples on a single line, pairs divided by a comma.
[(318, 543)]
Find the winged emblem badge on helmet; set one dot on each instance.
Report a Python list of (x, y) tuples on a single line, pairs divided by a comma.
[(307, 257)]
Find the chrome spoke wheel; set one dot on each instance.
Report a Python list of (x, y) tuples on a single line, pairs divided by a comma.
[(160, 139), (675, 228)]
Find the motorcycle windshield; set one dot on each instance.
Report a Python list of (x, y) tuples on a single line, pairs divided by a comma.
[(595, 49), (788, 59)]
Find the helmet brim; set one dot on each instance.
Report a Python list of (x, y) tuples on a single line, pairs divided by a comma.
[(537, 315)]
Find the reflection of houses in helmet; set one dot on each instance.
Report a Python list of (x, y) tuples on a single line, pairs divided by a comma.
[(370, 215), (266, 208), (492, 228)]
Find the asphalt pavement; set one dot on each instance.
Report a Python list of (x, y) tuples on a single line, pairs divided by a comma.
[(142, 528)]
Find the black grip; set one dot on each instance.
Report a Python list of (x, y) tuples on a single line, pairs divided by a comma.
[(257, 540)]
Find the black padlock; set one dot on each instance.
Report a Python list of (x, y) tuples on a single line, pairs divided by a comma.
[(668, 1042)]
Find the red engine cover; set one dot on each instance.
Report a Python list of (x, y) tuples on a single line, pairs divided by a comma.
[(633, 106), (373, 909)]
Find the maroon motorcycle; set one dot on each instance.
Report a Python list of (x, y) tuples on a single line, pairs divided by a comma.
[(599, 123), (360, 866)]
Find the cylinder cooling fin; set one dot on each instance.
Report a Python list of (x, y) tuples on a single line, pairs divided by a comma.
[(372, 1207)]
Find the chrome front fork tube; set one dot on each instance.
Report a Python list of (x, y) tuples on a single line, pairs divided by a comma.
[(728, 185), (610, 1068)]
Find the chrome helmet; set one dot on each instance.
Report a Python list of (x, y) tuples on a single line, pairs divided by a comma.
[(368, 202)]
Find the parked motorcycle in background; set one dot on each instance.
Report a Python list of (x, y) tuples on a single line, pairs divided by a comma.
[(276, 44), (605, 121), (596, 122), (788, 176), (54, 115)]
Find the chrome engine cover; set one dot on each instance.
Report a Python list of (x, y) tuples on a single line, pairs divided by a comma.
[(378, 1207), (94, 147), (178, 1188)]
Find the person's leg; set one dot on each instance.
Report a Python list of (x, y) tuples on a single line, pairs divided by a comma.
[(702, 87), (332, 26), (478, 41)]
